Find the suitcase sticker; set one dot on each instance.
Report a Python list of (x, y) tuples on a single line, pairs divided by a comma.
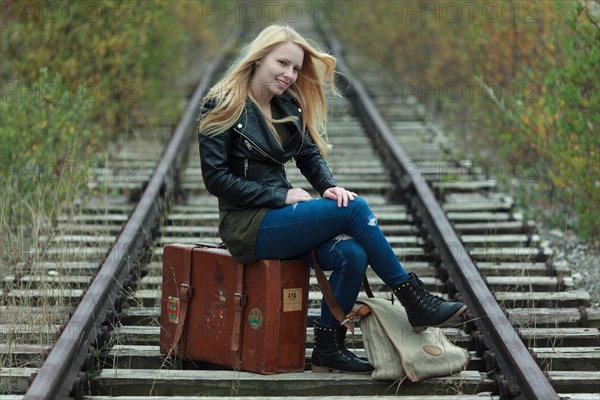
[(292, 299), (255, 318), (173, 307)]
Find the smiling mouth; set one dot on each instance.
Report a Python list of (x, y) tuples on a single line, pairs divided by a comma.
[(281, 83)]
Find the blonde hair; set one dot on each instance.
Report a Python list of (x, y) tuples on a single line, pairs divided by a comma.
[(314, 79)]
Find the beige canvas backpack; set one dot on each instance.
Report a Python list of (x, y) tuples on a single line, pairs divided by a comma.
[(397, 352)]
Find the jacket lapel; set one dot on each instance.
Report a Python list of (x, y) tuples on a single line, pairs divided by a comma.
[(253, 126)]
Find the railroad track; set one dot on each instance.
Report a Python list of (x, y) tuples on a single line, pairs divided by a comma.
[(58, 309), (118, 345), (40, 296), (554, 321)]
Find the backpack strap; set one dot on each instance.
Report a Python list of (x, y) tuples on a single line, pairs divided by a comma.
[(325, 288), (367, 288), (334, 307)]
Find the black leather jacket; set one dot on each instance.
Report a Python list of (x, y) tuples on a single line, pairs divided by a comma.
[(244, 166)]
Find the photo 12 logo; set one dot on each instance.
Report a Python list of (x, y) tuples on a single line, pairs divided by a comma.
[(86, 172), (44, 11), (453, 92), (74, 91), (268, 11), (469, 11)]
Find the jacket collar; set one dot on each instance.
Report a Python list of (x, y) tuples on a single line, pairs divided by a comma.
[(253, 125)]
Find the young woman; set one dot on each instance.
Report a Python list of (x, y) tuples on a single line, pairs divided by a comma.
[(267, 109)]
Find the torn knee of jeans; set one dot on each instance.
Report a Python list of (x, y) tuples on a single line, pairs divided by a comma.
[(372, 221), (340, 238)]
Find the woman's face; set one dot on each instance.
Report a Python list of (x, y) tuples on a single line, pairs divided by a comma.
[(277, 71)]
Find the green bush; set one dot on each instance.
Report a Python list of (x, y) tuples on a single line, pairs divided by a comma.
[(76, 74), (123, 53), (45, 128)]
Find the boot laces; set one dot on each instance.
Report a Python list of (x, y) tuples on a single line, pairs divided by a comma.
[(341, 347), (346, 353), (429, 300)]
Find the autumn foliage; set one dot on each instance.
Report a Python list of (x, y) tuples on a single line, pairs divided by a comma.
[(519, 79)]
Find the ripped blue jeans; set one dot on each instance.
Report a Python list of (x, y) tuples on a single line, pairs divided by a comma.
[(292, 231)]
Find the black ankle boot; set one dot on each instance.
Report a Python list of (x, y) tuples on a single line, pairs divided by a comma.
[(331, 354), (423, 308)]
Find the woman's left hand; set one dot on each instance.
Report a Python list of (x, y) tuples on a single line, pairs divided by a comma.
[(340, 194)]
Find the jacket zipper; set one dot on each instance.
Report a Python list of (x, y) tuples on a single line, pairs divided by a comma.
[(245, 167), (289, 185), (250, 144), (300, 148)]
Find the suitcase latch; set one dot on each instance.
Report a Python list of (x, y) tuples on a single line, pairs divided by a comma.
[(239, 299)]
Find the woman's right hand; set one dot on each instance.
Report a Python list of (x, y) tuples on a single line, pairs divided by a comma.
[(297, 195)]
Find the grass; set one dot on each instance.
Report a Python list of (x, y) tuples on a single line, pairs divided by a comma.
[(39, 243)]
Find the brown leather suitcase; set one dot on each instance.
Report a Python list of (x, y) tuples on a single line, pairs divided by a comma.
[(249, 317)]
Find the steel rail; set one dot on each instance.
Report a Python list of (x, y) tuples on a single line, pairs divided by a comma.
[(60, 376), (524, 377)]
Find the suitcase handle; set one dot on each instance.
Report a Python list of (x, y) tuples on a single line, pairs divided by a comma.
[(212, 245)]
